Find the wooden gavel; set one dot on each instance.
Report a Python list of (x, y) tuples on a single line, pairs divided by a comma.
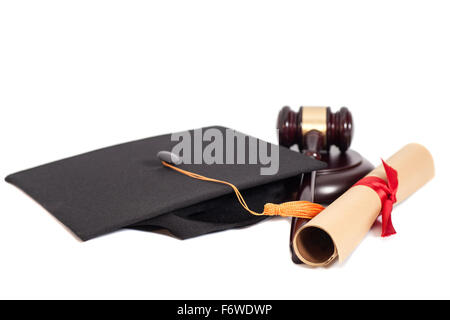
[(315, 129)]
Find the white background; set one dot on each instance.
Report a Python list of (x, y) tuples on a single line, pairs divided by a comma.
[(80, 75)]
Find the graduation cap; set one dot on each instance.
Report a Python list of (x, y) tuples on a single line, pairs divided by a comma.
[(128, 186)]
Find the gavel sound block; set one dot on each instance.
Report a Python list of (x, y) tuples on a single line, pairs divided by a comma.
[(326, 136)]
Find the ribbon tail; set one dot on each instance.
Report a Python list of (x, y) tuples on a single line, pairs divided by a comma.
[(391, 177), (386, 221)]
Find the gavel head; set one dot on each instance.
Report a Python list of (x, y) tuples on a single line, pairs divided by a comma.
[(333, 128)]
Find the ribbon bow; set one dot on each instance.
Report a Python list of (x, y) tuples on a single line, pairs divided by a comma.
[(387, 192)]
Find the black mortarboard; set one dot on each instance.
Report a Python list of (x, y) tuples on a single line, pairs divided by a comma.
[(126, 186)]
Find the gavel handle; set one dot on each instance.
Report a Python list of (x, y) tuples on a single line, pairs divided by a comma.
[(314, 142), (308, 179)]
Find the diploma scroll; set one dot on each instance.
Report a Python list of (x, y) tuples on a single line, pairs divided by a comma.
[(339, 228)]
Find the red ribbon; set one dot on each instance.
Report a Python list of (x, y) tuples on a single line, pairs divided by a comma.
[(387, 192)]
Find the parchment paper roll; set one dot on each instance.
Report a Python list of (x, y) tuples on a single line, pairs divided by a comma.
[(338, 229)]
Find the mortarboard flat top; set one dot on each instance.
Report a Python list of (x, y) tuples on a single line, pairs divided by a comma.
[(126, 186)]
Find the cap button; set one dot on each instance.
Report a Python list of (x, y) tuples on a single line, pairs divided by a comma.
[(169, 157)]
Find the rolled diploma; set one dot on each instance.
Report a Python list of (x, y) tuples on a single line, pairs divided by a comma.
[(339, 228)]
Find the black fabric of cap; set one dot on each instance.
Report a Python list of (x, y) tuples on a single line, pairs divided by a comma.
[(126, 186)]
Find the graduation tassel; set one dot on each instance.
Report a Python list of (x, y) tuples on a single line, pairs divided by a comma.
[(297, 209)]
